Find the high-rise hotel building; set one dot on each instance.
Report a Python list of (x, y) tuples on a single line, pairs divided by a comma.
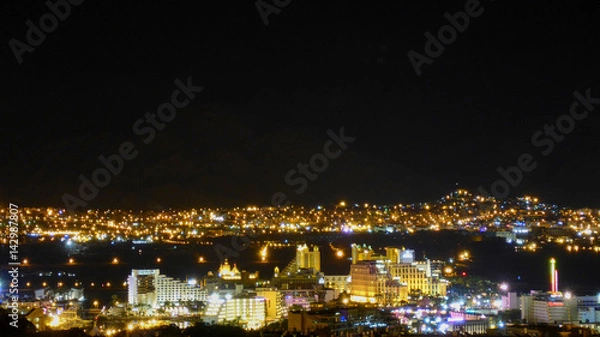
[(307, 259), (389, 278), (149, 287)]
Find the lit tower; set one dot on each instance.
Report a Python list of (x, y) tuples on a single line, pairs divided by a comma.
[(553, 276), (555, 280)]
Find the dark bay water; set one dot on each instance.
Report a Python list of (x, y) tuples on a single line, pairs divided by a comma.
[(492, 258)]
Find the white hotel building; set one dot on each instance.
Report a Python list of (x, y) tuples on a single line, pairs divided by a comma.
[(248, 310), (148, 286)]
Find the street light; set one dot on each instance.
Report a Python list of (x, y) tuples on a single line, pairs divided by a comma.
[(96, 304)]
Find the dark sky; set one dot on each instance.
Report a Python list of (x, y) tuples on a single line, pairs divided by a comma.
[(272, 92)]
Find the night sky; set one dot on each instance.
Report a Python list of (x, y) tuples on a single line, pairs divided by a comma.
[(272, 92)]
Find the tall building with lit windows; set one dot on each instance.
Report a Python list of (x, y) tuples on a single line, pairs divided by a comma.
[(273, 303), (142, 286), (366, 278), (149, 287), (306, 259), (400, 266), (418, 278), (371, 283)]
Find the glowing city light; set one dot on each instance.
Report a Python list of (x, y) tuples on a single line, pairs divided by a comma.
[(553, 276), (54, 322), (263, 253)]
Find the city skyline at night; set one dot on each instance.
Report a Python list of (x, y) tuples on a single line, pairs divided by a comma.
[(279, 168)]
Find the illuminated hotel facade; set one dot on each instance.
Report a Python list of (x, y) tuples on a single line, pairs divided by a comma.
[(306, 259), (417, 277), (149, 287), (339, 283), (549, 308), (389, 279), (371, 283), (367, 281), (273, 303), (248, 310)]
